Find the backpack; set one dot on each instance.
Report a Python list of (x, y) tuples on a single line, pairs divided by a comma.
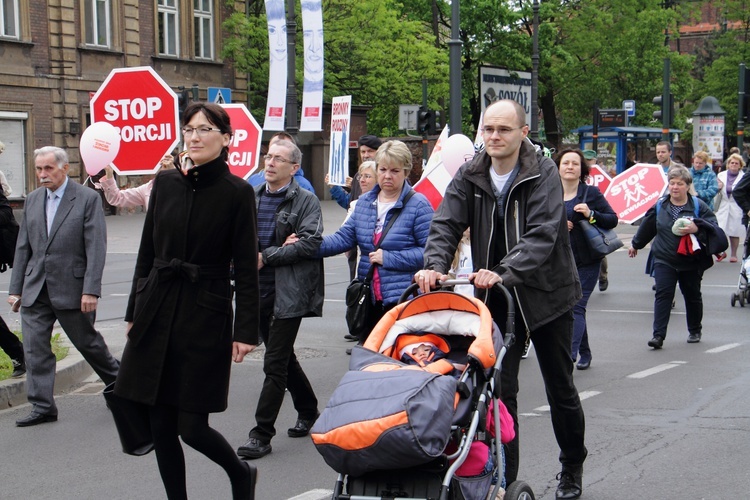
[(8, 239)]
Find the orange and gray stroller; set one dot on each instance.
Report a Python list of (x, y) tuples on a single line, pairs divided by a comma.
[(405, 425)]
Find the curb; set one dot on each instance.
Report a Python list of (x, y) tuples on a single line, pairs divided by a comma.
[(69, 372)]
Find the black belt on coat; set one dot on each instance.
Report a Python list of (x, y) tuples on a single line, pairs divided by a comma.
[(162, 273)]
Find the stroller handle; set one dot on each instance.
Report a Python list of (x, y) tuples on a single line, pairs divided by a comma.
[(510, 305)]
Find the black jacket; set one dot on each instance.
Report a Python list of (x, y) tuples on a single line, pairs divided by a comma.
[(539, 266)]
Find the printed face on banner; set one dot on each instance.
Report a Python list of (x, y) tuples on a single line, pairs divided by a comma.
[(276, 30), (313, 34)]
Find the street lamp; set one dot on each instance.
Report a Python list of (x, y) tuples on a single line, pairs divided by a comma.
[(455, 69), (535, 75)]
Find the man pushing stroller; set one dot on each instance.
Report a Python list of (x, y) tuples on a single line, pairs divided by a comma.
[(506, 196)]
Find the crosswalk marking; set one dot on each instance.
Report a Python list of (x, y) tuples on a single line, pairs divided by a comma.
[(581, 395), (657, 369)]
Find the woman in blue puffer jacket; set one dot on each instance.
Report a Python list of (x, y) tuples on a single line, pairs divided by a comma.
[(401, 252)]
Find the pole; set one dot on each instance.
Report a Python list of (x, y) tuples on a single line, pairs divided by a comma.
[(535, 76), (741, 108), (455, 45), (291, 87), (424, 134), (665, 101), (595, 128)]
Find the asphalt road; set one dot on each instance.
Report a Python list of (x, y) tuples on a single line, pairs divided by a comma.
[(662, 424)]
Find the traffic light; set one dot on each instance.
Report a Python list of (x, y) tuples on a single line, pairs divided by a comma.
[(424, 117), (665, 113), (183, 99), (435, 122)]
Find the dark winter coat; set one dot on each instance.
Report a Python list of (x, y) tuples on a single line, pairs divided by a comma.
[(300, 285), (605, 217), (180, 346), (539, 266)]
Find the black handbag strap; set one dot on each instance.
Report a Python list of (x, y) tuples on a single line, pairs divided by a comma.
[(395, 215)]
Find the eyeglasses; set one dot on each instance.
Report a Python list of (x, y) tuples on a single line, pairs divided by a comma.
[(276, 159), (490, 131), (201, 131), (366, 176)]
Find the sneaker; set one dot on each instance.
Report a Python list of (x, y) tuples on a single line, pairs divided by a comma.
[(571, 481), (656, 342), (526, 348), (254, 448), (694, 338), (603, 285), (19, 368)]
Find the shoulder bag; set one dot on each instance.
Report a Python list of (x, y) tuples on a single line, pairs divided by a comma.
[(601, 242), (358, 303)]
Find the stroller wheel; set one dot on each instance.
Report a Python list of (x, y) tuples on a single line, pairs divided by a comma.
[(734, 299), (519, 490), (742, 300)]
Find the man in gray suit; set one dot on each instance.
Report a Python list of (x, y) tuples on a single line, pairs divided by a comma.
[(57, 275)]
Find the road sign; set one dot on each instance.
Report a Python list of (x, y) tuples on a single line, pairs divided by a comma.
[(629, 106), (219, 95), (407, 116), (245, 146), (599, 177), (144, 110), (634, 191)]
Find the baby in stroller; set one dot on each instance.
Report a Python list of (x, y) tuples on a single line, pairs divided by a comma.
[(388, 429)]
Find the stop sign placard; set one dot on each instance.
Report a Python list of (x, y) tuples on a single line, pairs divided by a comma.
[(598, 177), (635, 190), (245, 146), (144, 110)]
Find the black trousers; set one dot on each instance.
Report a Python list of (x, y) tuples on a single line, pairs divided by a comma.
[(282, 371), (552, 347), (10, 343)]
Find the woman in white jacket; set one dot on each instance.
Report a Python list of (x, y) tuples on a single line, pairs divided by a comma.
[(729, 214)]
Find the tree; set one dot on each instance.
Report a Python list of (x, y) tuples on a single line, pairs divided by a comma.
[(371, 53)]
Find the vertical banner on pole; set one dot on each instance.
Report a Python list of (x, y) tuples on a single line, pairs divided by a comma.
[(338, 157), (312, 96), (277, 48)]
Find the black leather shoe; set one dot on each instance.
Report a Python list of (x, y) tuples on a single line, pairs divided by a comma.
[(35, 418), (570, 486), (656, 342), (350, 337), (694, 338), (603, 285), (302, 427), (254, 448), (19, 368)]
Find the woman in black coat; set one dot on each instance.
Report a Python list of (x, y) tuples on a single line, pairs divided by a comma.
[(181, 338), (582, 202)]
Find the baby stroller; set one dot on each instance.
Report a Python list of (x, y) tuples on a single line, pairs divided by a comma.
[(743, 289), (398, 430)]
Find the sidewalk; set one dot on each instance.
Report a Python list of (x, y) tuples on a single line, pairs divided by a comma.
[(123, 236)]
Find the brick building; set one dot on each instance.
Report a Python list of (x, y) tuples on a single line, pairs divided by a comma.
[(55, 54)]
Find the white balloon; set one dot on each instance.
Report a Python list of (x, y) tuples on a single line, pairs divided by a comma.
[(457, 150), (99, 145)]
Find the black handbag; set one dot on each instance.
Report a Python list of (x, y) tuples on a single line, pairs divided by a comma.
[(601, 242), (358, 303), (132, 423)]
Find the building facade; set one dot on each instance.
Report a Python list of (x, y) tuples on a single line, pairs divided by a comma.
[(55, 54)]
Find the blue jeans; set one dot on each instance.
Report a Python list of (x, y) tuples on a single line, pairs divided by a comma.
[(690, 285), (589, 275)]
